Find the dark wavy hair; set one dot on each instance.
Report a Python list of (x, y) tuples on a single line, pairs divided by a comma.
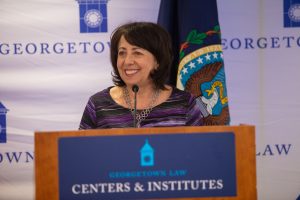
[(149, 36)]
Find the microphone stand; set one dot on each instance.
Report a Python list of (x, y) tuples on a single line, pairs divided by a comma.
[(135, 89)]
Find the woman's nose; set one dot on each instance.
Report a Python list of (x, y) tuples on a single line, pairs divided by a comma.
[(129, 59)]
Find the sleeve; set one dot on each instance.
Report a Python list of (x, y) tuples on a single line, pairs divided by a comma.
[(196, 112), (88, 120)]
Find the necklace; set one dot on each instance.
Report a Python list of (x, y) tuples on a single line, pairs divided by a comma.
[(145, 112)]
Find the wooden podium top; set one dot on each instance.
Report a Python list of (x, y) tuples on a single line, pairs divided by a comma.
[(46, 156)]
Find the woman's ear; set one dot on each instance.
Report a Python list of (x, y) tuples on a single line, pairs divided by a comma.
[(155, 68), (156, 65)]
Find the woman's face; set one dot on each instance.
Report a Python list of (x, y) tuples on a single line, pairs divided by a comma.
[(135, 64)]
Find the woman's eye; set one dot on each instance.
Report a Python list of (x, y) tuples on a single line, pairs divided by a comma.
[(121, 53), (138, 53)]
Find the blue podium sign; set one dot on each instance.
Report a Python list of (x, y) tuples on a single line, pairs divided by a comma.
[(147, 166)]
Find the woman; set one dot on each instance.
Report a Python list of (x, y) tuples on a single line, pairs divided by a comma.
[(141, 54)]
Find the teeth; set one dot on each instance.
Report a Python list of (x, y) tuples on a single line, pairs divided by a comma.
[(131, 71)]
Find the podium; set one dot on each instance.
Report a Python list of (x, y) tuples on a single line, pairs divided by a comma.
[(180, 153)]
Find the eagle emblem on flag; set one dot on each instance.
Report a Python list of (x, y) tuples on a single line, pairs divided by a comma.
[(201, 72)]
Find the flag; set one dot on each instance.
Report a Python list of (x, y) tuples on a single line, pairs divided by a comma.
[(198, 64)]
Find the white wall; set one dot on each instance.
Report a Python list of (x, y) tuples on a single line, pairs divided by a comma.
[(49, 91)]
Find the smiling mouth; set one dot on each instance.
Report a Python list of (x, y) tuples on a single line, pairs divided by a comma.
[(131, 71)]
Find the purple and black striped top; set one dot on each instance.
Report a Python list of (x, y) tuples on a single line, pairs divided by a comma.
[(180, 109)]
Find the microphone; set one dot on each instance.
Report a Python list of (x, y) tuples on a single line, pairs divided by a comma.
[(135, 89)]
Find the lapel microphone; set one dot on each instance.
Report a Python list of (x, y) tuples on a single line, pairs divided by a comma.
[(135, 89)]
